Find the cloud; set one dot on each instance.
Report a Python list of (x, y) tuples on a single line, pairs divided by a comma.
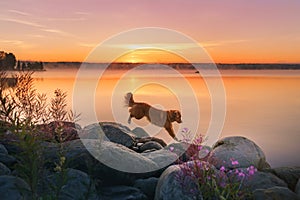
[(67, 19), (19, 12), (220, 43), (90, 45), (29, 23), (18, 43)]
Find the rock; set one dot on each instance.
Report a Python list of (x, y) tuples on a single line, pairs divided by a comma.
[(169, 187), (121, 192), (274, 193), (204, 152), (60, 131), (297, 189), (113, 132), (116, 164), (147, 186), (148, 139), (259, 180), (7, 160), (163, 158), (3, 149), (187, 151), (139, 132), (4, 170), (231, 149), (14, 188), (180, 150), (150, 145), (78, 185), (290, 175)]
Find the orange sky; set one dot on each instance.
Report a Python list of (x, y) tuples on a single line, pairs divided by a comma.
[(231, 31)]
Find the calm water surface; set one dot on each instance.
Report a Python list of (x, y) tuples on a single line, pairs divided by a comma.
[(262, 105)]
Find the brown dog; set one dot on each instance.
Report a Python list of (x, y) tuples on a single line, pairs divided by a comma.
[(157, 117)]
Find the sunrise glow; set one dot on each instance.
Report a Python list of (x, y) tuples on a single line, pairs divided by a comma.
[(231, 32)]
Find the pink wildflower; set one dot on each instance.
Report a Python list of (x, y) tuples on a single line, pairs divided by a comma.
[(234, 162), (222, 169), (241, 174), (171, 149)]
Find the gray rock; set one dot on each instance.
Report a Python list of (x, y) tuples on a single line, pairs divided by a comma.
[(204, 152), (260, 180), (150, 145), (3, 149), (4, 170), (274, 193), (162, 158), (121, 192), (147, 186), (109, 131), (169, 187), (115, 164), (148, 139), (290, 175), (139, 132), (237, 148), (7, 160), (78, 186), (14, 188)]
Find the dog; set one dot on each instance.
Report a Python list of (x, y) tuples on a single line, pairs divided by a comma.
[(156, 116)]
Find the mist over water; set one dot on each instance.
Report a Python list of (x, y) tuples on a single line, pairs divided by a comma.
[(262, 105)]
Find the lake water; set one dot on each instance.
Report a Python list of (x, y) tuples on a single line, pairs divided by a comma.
[(262, 105)]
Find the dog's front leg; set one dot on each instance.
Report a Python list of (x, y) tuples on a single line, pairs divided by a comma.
[(170, 130), (129, 119)]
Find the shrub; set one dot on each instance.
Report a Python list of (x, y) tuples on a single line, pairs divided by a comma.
[(211, 183)]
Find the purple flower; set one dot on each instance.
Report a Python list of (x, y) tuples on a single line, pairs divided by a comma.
[(222, 169), (241, 174), (185, 130), (234, 162), (199, 148), (251, 170), (171, 149)]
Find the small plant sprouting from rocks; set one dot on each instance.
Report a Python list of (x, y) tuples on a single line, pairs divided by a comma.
[(22, 108), (207, 182)]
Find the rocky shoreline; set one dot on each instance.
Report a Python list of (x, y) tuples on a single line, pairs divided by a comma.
[(132, 165)]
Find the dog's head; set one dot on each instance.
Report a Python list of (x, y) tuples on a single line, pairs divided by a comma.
[(175, 115)]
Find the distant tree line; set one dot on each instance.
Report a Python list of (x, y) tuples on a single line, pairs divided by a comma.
[(8, 61)]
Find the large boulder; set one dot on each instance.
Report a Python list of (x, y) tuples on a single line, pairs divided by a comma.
[(162, 158), (121, 192), (14, 188), (140, 132), (258, 180), (290, 175), (171, 187), (237, 151), (109, 131), (151, 145), (147, 186), (76, 185), (274, 193), (112, 163)]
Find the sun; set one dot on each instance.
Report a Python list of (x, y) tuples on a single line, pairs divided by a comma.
[(150, 56)]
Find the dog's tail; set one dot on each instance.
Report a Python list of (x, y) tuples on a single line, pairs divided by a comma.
[(129, 99)]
